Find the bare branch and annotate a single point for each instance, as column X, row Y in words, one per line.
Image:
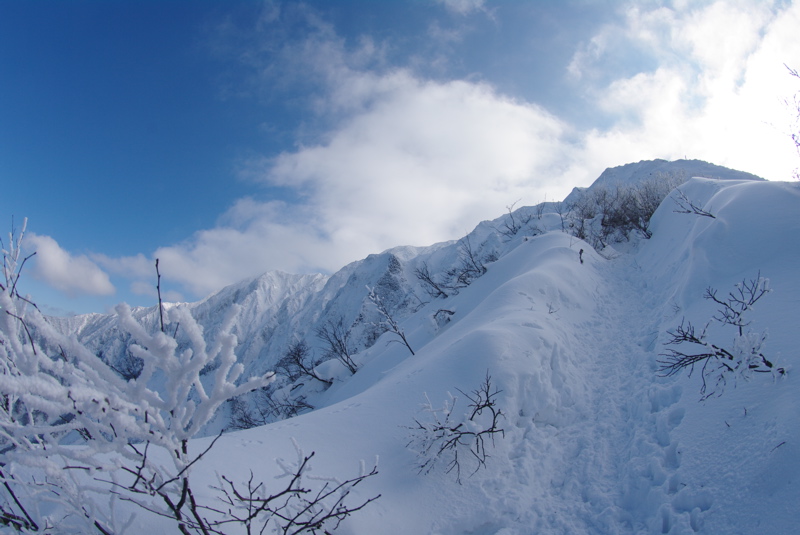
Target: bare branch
column 337, row 339
column 743, row 356
column 388, row 320
column 160, row 303
column 442, row 437
column 687, row 206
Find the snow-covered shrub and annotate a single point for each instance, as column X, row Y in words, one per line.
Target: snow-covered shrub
column 471, row 265
column 610, row 214
column 72, row 430
column 387, row 323
column 431, row 284
column 719, row 364
column 177, row 406
column 336, row 339
column 514, row 223
column 299, row 362
column 793, row 105
column 448, row 437
column 48, row 402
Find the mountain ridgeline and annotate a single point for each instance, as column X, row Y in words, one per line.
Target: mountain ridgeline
column 310, row 328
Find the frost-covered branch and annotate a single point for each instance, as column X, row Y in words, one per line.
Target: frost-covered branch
column 179, row 405
column 336, row 338
column 742, row 358
column 388, row 322
column 443, row 436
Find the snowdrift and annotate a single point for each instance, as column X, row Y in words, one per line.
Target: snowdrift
column 594, row 439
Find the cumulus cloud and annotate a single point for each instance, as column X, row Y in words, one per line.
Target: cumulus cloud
column 68, row 273
column 252, row 237
column 422, row 162
column 132, row 266
column 408, row 160
column 710, row 84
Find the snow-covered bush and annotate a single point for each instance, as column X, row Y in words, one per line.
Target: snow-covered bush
column 443, row 435
column 719, row 364
column 514, row 223
column 177, row 405
column 58, row 415
column 72, row 430
column 793, row 105
column 387, row 323
column 610, row 214
column 336, row 340
column 471, row 266
column 299, row 362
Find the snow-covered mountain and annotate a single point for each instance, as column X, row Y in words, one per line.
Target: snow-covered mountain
column 596, row 436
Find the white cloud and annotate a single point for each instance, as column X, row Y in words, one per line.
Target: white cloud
column 126, row 266
column 715, row 91
column 411, row 162
column 463, row 7
column 422, row 162
column 407, row 160
column 251, row 238
column 70, row 274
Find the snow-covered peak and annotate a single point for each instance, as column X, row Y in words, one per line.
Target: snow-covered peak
column 678, row 170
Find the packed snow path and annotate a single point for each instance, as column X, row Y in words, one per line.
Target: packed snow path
column 608, row 465
column 636, row 413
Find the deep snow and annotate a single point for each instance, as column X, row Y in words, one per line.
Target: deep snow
column 595, row 440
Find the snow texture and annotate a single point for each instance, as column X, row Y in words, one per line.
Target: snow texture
column 595, row 440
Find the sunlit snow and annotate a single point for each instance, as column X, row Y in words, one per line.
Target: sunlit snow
column 595, row 440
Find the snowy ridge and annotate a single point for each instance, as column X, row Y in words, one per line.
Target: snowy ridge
column 595, row 440
column 682, row 169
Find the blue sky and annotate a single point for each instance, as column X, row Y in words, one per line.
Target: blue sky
column 233, row 138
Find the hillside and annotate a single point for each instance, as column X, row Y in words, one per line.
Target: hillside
column 595, row 439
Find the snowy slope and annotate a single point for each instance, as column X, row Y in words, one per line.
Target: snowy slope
column 280, row 308
column 632, row 173
column 595, row 441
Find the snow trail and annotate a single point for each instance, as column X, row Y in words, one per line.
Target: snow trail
column 604, row 460
column 643, row 454
column 614, row 464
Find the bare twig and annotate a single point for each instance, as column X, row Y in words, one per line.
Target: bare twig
column 294, row 509
column 388, row 320
column 687, row 206
column 718, row 361
column 160, row 303
column 445, row 437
